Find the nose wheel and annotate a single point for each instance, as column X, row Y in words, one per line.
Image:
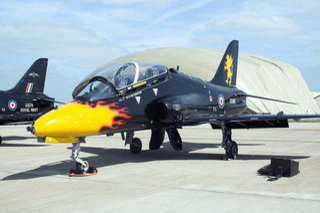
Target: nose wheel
column 82, row 167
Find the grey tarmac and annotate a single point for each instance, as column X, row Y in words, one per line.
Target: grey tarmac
column 33, row 175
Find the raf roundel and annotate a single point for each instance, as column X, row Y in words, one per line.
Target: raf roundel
column 12, row 105
column 221, row 101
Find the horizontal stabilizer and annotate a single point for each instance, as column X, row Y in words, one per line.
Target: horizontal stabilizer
column 265, row 98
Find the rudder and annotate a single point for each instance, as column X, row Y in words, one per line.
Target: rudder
column 226, row 74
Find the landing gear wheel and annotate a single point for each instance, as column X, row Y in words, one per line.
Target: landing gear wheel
column 135, row 146
column 82, row 167
column 81, row 173
column 85, row 166
column 233, row 151
column 82, row 170
column 175, row 139
column 157, row 137
column 0, row 140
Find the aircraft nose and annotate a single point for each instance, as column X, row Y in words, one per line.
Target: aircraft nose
column 56, row 123
column 77, row 119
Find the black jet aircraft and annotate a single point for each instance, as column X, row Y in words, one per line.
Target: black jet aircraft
column 26, row 101
column 134, row 96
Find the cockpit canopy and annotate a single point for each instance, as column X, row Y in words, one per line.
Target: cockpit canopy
column 111, row 81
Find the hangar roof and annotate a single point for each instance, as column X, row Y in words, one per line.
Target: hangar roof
column 316, row 96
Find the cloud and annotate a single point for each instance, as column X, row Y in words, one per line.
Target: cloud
column 256, row 24
column 283, row 7
column 56, row 40
column 78, row 36
column 182, row 9
column 145, row 3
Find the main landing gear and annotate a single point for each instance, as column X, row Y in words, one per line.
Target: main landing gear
column 175, row 139
column 156, row 140
column 157, row 137
column 228, row 144
column 82, row 167
column 0, row 140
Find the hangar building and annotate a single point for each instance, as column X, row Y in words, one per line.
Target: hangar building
column 257, row 75
column 316, row 97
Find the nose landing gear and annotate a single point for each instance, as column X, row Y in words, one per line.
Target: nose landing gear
column 82, row 167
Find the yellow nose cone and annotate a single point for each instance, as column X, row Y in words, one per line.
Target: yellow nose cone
column 78, row 119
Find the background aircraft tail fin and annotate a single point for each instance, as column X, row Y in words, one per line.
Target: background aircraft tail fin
column 33, row 80
column 226, row 74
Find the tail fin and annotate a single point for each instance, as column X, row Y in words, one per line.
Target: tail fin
column 226, row 74
column 34, row 79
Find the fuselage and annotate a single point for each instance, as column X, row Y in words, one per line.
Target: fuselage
column 168, row 100
column 22, row 107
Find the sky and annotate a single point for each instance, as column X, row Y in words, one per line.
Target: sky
column 80, row 35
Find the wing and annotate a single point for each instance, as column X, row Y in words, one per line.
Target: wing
column 251, row 120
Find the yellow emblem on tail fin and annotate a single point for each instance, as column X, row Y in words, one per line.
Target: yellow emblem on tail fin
column 228, row 66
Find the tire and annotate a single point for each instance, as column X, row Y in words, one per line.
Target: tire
column 233, row 152
column 175, row 139
column 157, row 137
column 135, row 146
column 85, row 167
column 0, row 140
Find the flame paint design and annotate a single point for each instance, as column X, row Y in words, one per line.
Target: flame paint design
column 80, row 119
column 228, row 66
column 107, row 116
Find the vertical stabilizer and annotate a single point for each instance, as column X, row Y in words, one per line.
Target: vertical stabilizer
column 34, row 79
column 226, row 74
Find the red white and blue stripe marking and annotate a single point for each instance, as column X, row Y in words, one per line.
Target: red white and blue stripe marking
column 12, row 105
column 29, row 88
